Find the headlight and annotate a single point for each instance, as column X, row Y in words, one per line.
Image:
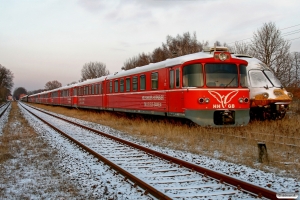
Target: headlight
column 290, row 95
column 207, row 100
column 241, row 100
column 265, row 95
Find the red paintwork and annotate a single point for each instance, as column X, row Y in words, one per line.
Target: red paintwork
column 163, row 100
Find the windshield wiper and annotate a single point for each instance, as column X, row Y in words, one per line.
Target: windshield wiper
column 230, row 82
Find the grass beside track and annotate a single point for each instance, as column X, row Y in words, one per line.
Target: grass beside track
column 238, row 145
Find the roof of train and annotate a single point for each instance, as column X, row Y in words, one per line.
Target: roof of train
column 253, row 63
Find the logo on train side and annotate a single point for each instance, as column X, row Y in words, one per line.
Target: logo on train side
column 222, row 99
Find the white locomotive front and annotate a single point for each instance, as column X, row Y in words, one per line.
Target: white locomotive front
column 268, row 98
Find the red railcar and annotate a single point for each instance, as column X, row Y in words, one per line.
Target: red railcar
column 209, row 89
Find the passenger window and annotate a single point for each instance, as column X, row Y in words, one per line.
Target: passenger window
column 93, row 89
column 96, row 89
column 142, row 82
column 100, row 88
column 122, row 85
column 177, row 78
column 110, row 86
column 127, row 84
column 171, row 79
column 116, row 85
column 134, row 83
column 154, row 81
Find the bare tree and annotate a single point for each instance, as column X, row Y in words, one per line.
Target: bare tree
column 295, row 56
column 174, row 47
column 50, row 85
column 269, row 46
column 159, row 54
column 6, row 82
column 18, row 91
column 6, row 78
column 183, row 45
column 93, row 70
column 239, row 48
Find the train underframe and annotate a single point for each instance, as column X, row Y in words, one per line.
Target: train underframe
column 269, row 112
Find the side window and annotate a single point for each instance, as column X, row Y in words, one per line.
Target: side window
column 177, row 78
column 122, row 85
column 93, row 89
column 154, row 81
column 116, row 85
column 110, row 86
column 171, row 79
column 142, row 82
column 134, row 83
column 127, row 84
column 100, row 88
column 96, row 89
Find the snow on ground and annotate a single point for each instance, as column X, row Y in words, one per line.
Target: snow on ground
column 271, row 181
column 94, row 180
column 4, row 118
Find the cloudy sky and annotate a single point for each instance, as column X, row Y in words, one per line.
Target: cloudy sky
column 46, row 40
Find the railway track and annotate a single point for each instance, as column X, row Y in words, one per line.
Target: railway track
column 161, row 176
column 3, row 108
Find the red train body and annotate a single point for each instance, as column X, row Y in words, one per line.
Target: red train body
column 209, row 89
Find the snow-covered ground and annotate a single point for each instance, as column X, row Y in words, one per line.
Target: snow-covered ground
column 95, row 181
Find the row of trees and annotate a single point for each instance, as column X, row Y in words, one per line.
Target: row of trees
column 89, row 71
column 174, row 47
column 267, row 45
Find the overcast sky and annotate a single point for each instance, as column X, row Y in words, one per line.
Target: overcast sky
column 46, row 40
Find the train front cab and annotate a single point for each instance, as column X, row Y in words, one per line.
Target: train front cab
column 215, row 91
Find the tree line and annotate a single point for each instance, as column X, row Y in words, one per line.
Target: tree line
column 267, row 45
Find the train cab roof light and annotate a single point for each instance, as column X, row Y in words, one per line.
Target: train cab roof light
column 221, row 56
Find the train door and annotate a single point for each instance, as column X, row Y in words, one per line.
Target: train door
column 105, row 90
column 175, row 93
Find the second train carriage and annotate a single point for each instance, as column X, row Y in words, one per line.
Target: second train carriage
column 209, row 89
column 268, row 98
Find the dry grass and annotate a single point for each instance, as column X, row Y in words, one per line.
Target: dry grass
column 23, row 152
column 237, row 145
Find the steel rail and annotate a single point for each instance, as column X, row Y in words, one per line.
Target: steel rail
column 148, row 188
column 241, row 185
column 4, row 109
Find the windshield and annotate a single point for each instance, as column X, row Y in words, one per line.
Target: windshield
column 221, row 75
column 273, row 78
column 258, row 79
column 243, row 76
column 192, row 76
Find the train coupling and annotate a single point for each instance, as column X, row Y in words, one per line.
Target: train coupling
column 224, row 117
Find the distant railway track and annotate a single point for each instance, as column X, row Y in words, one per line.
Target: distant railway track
column 160, row 175
column 3, row 108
